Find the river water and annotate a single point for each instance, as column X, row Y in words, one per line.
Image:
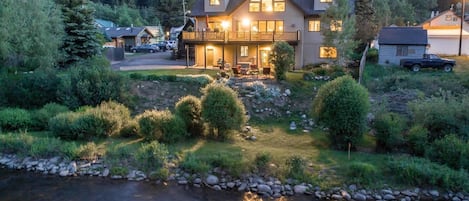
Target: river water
column 25, row 186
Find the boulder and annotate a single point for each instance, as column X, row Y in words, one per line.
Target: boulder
column 264, row 189
column 359, row 197
column 300, row 189
column 211, row 180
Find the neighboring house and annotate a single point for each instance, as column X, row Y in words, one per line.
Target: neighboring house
column 157, row 32
column 174, row 32
column 243, row 31
column 127, row 37
column 444, row 31
column 396, row 43
column 100, row 23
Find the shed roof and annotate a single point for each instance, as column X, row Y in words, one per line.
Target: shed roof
column 116, row 32
column 403, row 36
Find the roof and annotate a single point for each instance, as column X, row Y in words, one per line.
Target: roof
column 307, row 6
column 403, row 36
column 116, row 32
column 104, row 23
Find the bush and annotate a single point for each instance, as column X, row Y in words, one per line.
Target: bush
column 12, row 119
column 421, row 172
column 88, row 151
column 372, row 55
column 417, row 138
column 389, row 127
column 450, row 151
column 296, row 168
column 283, row 58
column 61, row 125
column 361, row 172
column 160, row 174
column 130, row 129
column 342, row 106
column 118, row 170
column 222, row 109
column 189, row 108
column 262, row 161
column 161, row 125
column 193, row 164
column 40, row 117
column 152, row 156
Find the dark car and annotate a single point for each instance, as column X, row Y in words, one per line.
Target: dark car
column 429, row 61
column 145, row 48
column 162, row 45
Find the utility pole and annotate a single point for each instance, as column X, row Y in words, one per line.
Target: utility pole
column 184, row 10
column 462, row 25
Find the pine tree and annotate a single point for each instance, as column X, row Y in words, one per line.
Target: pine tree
column 366, row 26
column 81, row 40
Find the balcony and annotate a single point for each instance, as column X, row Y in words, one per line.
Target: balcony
column 230, row 37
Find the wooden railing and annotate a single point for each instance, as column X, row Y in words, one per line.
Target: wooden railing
column 207, row 36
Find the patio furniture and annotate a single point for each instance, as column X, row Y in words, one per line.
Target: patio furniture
column 266, row 71
column 236, row 71
column 253, row 70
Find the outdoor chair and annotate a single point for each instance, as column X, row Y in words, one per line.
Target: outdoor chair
column 266, row 71
column 236, row 71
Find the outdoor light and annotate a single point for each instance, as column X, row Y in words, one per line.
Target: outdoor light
column 225, row 25
column 246, row 22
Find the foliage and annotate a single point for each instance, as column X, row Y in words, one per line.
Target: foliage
column 189, row 108
column 417, row 138
column 12, row 119
column 61, row 125
column 88, row 151
column 372, row 55
column 160, row 174
column 118, row 170
column 422, row 172
column 451, row 151
column 342, row 106
column 130, row 129
column 366, row 25
column 283, row 58
column 90, row 82
column 193, row 164
column 338, row 29
column 362, row 172
column 81, row 40
column 161, row 125
column 296, row 168
column 152, row 156
column 222, row 109
column 30, row 35
column 40, row 118
column 389, row 128
column 262, row 160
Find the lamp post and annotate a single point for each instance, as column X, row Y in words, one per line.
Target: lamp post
column 462, row 25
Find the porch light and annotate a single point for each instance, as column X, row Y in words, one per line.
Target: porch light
column 224, row 25
column 246, row 22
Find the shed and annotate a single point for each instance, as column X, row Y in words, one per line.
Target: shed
column 396, row 43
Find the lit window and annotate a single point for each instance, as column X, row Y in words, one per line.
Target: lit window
column 255, row 6
column 214, row 2
column 279, row 5
column 327, row 52
column 267, row 5
column 244, row 51
column 402, row 50
column 336, row 25
column 325, row 1
column 314, row 25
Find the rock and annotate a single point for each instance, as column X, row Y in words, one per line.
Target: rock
column 182, row 182
column 211, row 180
column 352, row 187
column 264, row 189
column 64, row 173
column 456, row 199
column 434, row 193
column 292, row 126
column 345, row 195
column 386, row 192
column 359, row 197
column 300, row 189
column 72, row 167
column 242, row 187
column 389, row 197
column 336, row 197
column 230, row 184
column 197, row 181
column 105, row 172
column 287, row 92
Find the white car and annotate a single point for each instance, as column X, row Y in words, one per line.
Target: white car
column 171, row 44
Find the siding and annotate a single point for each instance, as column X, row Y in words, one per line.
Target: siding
column 387, row 54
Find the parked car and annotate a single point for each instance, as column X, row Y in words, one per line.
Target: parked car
column 145, row 48
column 171, row 44
column 163, row 46
column 429, row 61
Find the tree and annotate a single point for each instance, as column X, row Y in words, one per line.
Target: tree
column 283, row 57
column 81, row 40
column 222, row 109
column 31, row 34
column 338, row 29
column 342, row 105
column 189, row 108
column 366, row 23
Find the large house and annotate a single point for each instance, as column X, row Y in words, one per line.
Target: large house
column 444, row 34
column 396, row 43
column 241, row 32
column 127, row 37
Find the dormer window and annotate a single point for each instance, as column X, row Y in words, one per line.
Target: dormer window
column 325, row 1
column 267, row 6
column 214, row 2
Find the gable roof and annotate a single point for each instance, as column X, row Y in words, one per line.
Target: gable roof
column 117, row 32
column 307, row 6
column 104, row 23
column 403, row 36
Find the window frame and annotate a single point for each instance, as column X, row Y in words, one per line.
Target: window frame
column 263, row 5
column 314, row 25
column 244, row 51
column 213, row 2
column 325, row 1
column 326, row 57
column 402, row 50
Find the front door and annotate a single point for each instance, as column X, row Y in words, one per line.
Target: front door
column 210, row 57
column 265, row 58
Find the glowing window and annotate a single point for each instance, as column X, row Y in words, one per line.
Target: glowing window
column 327, row 52
column 336, row 25
column 314, row 25
column 244, row 51
column 214, row 2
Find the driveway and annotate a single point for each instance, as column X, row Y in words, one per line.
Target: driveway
column 158, row 60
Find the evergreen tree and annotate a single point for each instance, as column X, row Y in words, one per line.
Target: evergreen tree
column 81, row 40
column 338, row 29
column 366, row 26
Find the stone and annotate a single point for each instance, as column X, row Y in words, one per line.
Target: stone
column 264, row 189
column 72, row 167
column 182, row 182
column 64, row 173
column 389, row 197
column 386, row 192
column 197, row 181
column 300, row 189
column 336, row 197
column 434, row 193
column 211, row 180
column 456, row 199
column 105, row 172
column 292, row 126
column 287, row 92
column 359, row 197
column 242, row 187
column 345, row 195
column 230, row 184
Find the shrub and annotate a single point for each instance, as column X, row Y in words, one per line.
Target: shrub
column 151, row 156
column 193, row 164
column 262, row 161
column 417, row 138
column 450, row 150
column 296, row 168
column 189, row 108
column 119, row 154
column 342, row 106
column 421, row 172
column 161, row 125
column 118, row 170
column 160, row 174
column 130, row 129
column 14, row 118
column 40, row 118
column 88, row 151
column 372, row 55
column 222, row 109
column 361, row 172
column 283, row 58
column 61, row 125
column 389, row 127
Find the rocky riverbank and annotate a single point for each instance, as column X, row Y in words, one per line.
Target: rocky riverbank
column 218, row 180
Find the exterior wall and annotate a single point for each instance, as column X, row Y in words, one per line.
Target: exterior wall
column 216, row 8
column 320, row 6
column 311, row 42
column 387, row 54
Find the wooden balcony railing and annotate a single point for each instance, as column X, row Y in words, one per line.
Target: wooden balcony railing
column 209, row 36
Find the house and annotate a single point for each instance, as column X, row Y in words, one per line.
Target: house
column 444, row 31
column 100, row 23
column 157, row 33
column 127, row 37
column 396, row 43
column 242, row 32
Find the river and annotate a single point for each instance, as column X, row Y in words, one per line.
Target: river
column 24, row 186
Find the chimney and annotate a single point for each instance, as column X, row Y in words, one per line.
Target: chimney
column 433, row 14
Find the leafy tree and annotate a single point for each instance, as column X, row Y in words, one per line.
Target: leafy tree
column 342, row 105
column 283, row 57
column 422, row 9
column 366, row 23
column 338, row 29
column 81, row 40
column 31, row 34
column 222, row 109
column 189, row 108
